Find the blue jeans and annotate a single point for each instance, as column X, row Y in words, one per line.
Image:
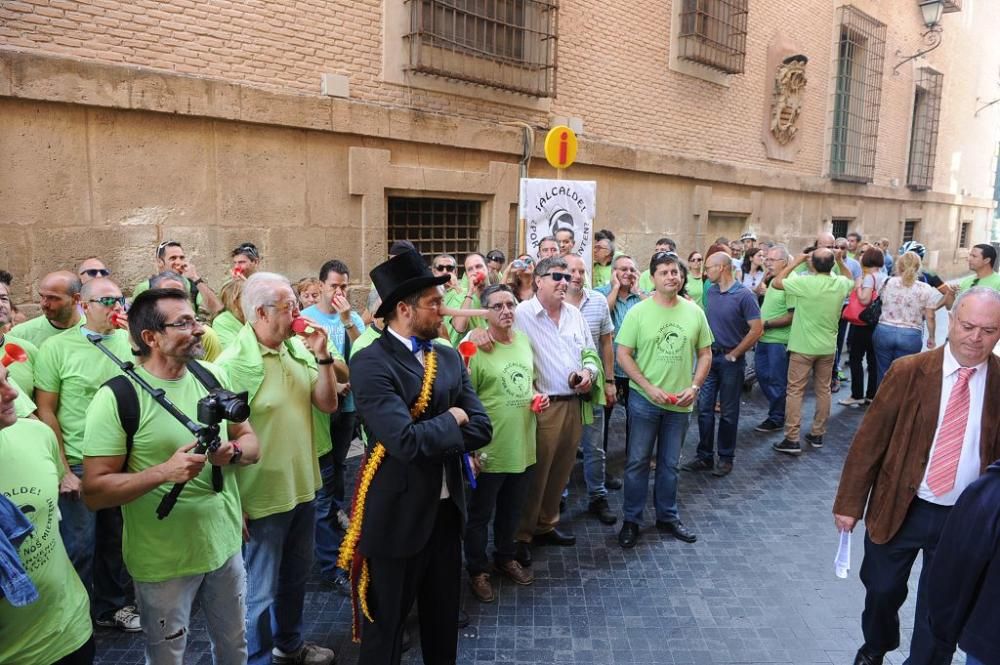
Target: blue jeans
column 772, row 375
column 893, row 342
column 328, row 532
column 652, row 426
column 593, row 454
column 278, row 558
column 724, row 382
column 972, row 660
column 166, row 614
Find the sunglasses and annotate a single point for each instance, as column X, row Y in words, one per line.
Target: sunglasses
column 558, row 276
column 96, row 272
column 109, row 301
column 445, row 268
column 498, row 258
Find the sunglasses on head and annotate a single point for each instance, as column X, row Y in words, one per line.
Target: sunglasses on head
column 498, row 258
column 559, row 276
column 445, row 268
column 109, row 301
column 96, row 272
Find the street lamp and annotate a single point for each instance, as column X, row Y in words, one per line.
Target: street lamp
column 931, row 11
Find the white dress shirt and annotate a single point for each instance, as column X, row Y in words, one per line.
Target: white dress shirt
column 968, row 462
column 557, row 348
column 419, row 355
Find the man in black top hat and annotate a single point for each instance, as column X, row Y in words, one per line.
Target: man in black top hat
column 413, row 509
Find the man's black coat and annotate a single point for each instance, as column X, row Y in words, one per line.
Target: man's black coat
column 402, row 501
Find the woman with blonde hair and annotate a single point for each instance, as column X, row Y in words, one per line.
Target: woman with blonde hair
column 308, row 291
column 906, row 303
column 229, row 321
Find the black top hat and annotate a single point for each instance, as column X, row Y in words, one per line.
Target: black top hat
column 401, row 276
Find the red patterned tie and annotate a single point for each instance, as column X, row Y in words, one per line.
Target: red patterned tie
column 951, row 436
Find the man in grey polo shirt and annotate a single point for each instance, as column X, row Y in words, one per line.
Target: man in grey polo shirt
column 594, row 308
column 734, row 318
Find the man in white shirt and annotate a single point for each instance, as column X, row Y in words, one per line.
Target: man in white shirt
column 927, row 436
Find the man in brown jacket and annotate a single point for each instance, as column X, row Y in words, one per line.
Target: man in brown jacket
column 926, row 437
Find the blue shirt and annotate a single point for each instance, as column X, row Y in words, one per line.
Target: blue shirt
column 729, row 313
column 618, row 313
column 338, row 334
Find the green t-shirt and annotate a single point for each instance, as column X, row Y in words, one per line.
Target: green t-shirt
column 205, row 527
column 774, row 306
column 321, row 420
column 58, row 623
column 601, row 275
column 504, row 380
column 696, row 290
column 74, row 368
column 38, row 329
column 991, row 281
column 226, row 327
column 819, row 300
column 23, row 405
column 190, row 288
column 281, row 415
column 454, row 299
column 646, row 282
column 23, row 373
column 665, row 340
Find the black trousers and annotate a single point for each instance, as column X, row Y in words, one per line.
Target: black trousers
column 113, row 588
column 861, row 347
column 342, row 425
column 82, row 656
column 431, row 577
column 622, row 389
column 502, row 494
column 885, row 572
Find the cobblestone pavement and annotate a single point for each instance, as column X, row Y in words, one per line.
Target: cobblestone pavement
column 757, row 587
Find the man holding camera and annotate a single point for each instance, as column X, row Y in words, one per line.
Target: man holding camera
column 284, row 377
column 194, row 553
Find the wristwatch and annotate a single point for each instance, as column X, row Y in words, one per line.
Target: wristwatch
column 348, row 325
column 325, row 361
column 609, row 380
column 200, row 280
column 237, row 454
column 695, row 387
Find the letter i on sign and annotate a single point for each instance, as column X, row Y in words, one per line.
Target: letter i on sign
column 560, row 147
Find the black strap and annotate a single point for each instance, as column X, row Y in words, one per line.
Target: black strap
column 204, row 377
column 128, row 409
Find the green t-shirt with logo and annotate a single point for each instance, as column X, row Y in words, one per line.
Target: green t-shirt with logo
column 991, row 281
column 819, row 300
column 205, row 527
column 74, row 368
column 504, row 380
column 58, row 623
column 38, row 329
column 775, row 306
column 665, row 340
column 23, row 372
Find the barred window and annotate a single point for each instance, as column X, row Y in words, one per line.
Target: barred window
column 714, row 33
column 857, row 95
column 910, row 229
column 963, row 235
column 505, row 44
column 840, row 228
column 436, row 226
column 924, row 129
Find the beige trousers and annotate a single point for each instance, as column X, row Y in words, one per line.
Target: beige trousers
column 799, row 366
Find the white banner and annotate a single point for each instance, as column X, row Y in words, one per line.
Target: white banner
column 548, row 206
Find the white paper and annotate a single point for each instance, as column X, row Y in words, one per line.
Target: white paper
column 842, row 563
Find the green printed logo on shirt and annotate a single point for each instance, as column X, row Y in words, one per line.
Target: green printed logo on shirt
column 671, row 341
column 515, row 378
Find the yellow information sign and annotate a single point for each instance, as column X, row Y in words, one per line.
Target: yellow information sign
column 560, row 147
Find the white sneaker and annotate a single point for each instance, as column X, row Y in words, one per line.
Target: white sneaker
column 125, row 619
column 308, row 654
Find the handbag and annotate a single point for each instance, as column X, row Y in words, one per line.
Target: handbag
column 858, row 314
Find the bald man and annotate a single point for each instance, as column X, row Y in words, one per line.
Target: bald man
column 59, row 297
column 92, row 267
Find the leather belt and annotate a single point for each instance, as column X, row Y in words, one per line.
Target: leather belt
column 563, row 398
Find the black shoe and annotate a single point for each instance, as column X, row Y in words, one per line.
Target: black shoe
column 698, row 464
column 522, row 553
column 612, row 483
column 629, row 535
column 599, row 507
column 769, row 426
column 814, row 441
column 677, row 530
column 554, row 537
column 340, row 583
column 865, row 657
column 723, row 468
column 789, row 447
column 562, row 506
column 463, row 619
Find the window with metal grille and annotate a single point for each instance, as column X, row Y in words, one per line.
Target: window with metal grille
column 505, row 44
column 436, row 226
column 857, row 95
column 924, row 129
column 910, row 229
column 963, row 235
column 714, row 33
column 840, row 228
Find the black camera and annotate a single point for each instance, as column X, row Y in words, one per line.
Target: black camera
column 221, row 404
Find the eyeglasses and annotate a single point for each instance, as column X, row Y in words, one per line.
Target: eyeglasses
column 697, row 260
column 445, row 268
column 184, row 324
column 558, row 276
column 109, row 301
column 501, row 306
column 284, row 306
column 96, row 272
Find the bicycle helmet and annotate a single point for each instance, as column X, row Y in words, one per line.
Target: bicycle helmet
column 912, row 246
